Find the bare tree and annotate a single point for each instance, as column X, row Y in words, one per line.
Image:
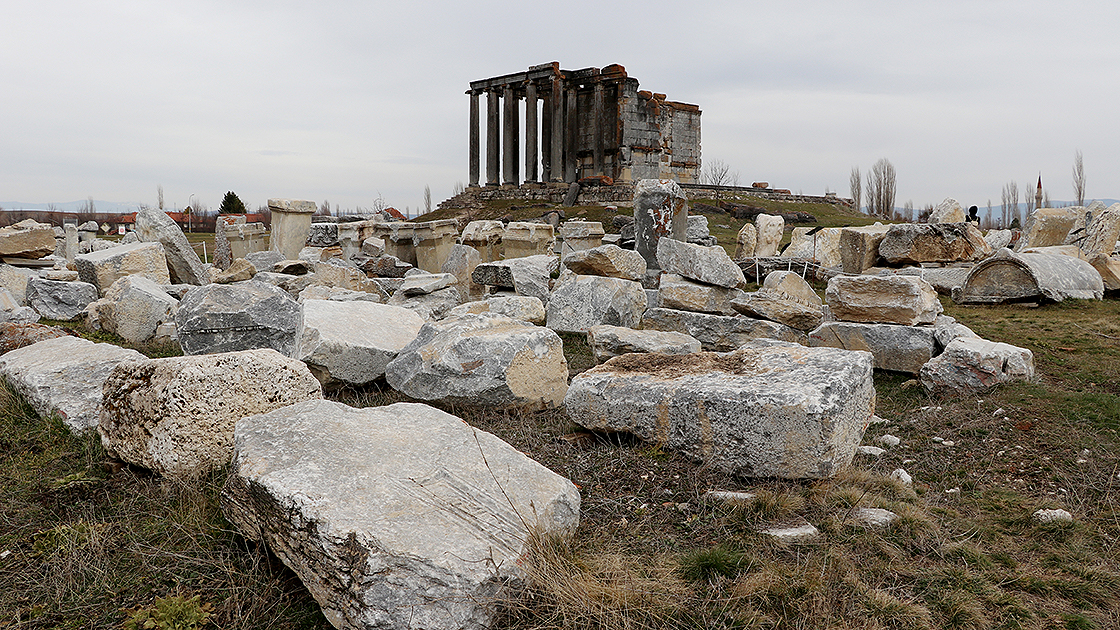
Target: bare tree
column 1045, row 198
column 325, row 207
column 908, row 211
column 427, row 198
column 881, row 189
column 458, row 189
column 159, row 196
column 855, row 187
column 718, row 173
column 1078, row 179
column 989, row 214
column 1009, row 206
column 1028, row 200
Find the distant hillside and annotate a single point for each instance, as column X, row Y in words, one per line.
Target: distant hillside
column 112, row 207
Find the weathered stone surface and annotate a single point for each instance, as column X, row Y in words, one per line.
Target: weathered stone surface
column 822, row 246
column 527, row 275
column 134, row 307
column 948, row 211
column 776, row 410
column 609, row 261
column 580, row 235
column 1050, row 226
column 1109, row 268
column 15, row 280
column 523, row 238
column 896, row 348
column 239, row 270
column 461, row 263
column 154, row 226
column 335, row 294
column 425, row 283
column 687, row 295
column 55, row 299
column 351, row 342
column 103, row 268
column 946, row 329
column 522, row 307
column 974, row 364
column 230, row 317
column 718, row 333
column 337, row 273
column 426, row 518
column 941, row 242
column 710, row 265
column 610, row 341
column 265, row 260
column 296, row 267
column 175, row 416
column 943, row 279
column 580, row 302
column 770, row 229
column 27, row 240
column 746, row 242
column 660, row 210
column 64, row 376
column 998, row 239
column 859, row 246
column 906, row 300
column 1011, row 277
column 485, row 237
column 697, row 231
column 1102, row 232
column 291, row 224
column 429, row 306
column 772, row 306
column 15, row 335
column 483, row 360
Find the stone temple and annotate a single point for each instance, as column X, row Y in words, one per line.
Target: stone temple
column 588, row 123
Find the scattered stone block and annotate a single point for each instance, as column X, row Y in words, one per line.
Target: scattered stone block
column 822, row 246
column 425, row 283
column 27, row 239
column 103, row 268
column 710, row 265
column 1050, row 226
column 770, row 230
column 1016, row 277
column 776, row 410
column 970, row 364
column 483, row 360
column 684, row 294
column 611, row 341
column 521, row 239
column 746, row 242
column 998, row 239
column 154, row 226
column 580, row 302
column 797, row 532
column 244, row 316
column 896, row 348
column 485, row 237
column 64, row 376
column 873, row 518
column 1052, row 516
column 461, row 263
column 609, row 261
column 906, row 300
column 55, row 299
column 239, row 270
column 946, row 329
column 718, row 333
column 580, row 235
column 350, row 343
column 429, row 306
column 1102, row 232
column 948, row 211
column 660, row 210
column 134, row 307
column 15, row 335
column 175, row 416
column 859, row 246
column 912, row 243
column 15, row 280
column 427, row 518
column 522, row 307
column 1109, row 268
column 291, row 225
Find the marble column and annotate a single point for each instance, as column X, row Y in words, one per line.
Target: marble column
column 557, row 145
column 597, row 128
column 509, row 139
column 546, row 138
column 530, row 133
column 492, row 138
column 474, row 141
column 571, row 136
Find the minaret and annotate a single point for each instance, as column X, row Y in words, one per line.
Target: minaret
column 1038, row 193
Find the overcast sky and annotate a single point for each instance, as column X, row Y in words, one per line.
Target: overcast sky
column 351, row 101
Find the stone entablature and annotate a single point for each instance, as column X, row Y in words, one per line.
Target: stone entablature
column 593, row 122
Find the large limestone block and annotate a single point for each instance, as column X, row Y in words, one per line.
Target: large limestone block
column 859, row 246
column 772, row 306
column 687, row 295
column 522, row 307
column 175, row 416
column 998, row 239
column 610, row 341
column 909, row 243
column 461, row 263
column 765, row 410
column 1050, row 226
column 579, row 235
column 64, row 376
column 746, row 241
column 291, row 225
column 580, row 302
column 718, row 333
column 15, row 280
column 770, row 229
column 697, row 231
column 483, row 360
column 134, row 307
column 243, row 316
column 154, row 226
column 57, row 299
column 351, row 342
column 822, row 245
column 20, row 334
column 425, row 283
column 400, row 516
column 1109, row 268
column 103, row 268
column 485, row 237
column 660, row 210
column 27, row 239
column 948, row 211
column 344, row 276
column 1102, row 232
column 429, row 306
column 789, row 285
column 947, row 329
column 527, row 275
column 710, row 265
column 522, row 238
column 906, row 300
column 896, row 348
column 610, row 261
column 971, row 364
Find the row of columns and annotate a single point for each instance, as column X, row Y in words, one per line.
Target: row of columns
column 558, row 134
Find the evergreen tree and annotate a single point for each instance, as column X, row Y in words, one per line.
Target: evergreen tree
column 231, row 204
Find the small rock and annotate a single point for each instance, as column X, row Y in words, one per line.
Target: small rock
column 1052, row 516
column 727, row 495
column 793, row 532
column 903, row 476
column 889, row 440
column 873, row 451
column 873, row 517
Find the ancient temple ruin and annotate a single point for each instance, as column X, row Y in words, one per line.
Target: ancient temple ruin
column 584, row 123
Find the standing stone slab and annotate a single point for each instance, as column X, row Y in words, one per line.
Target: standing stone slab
column 15, row 280
column 660, row 210
column 770, row 229
column 773, row 410
column 823, row 245
column 859, row 246
column 896, row 348
column 461, row 262
column 64, row 376
column 352, row 342
column 718, row 333
column 580, row 235
column 175, row 416
column 243, row 316
column 394, row 517
column 154, row 226
column 56, row 299
column 971, row 364
column 710, row 265
column 610, row 341
column 1050, row 226
column 746, row 241
column 483, row 360
column 906, row 300
column 103, row 268
column 1102, row 232
column 291, row 225
column 580, row 302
